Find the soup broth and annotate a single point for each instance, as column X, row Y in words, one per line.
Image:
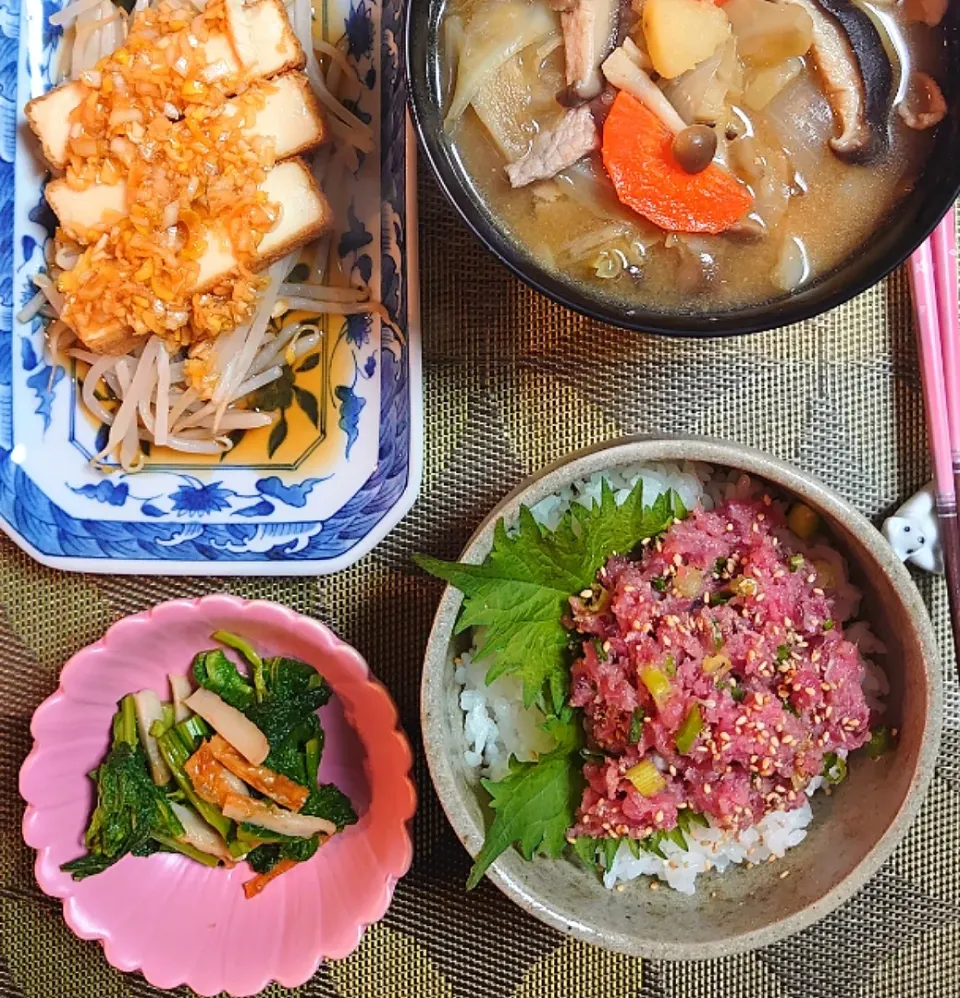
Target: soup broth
column 809, row 207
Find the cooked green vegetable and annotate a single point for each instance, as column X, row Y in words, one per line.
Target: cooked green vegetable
column 175, row 753
column 215, row 672
column 172, row 845
column 133, row 816
column 247, row 651
column 292, row 692
column 131, row 810
column 193, row 731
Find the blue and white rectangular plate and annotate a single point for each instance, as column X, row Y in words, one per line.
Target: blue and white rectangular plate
column 311, row 494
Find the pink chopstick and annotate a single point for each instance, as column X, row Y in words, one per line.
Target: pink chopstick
column 933, row 277
column 948, row 306
column 926, row 305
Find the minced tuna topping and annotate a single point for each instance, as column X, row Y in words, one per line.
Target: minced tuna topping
column 718, row 678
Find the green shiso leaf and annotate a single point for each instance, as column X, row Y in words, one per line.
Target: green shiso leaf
column 533, row 809
column 521, row 592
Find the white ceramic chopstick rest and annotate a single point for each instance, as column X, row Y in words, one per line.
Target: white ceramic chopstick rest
column 914, row 531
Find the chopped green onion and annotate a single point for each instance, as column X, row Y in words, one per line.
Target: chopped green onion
column 691, row 727
column 636, row 726
column 834, row 768
column 717, row 635
column 881, row 742
column 828, row 624
column 783, row 653
column 670, row 666
column 716, row 663
column 657, row 683
column 719, row 566
column 660, row 583
column 796, row 562
column 646, row 778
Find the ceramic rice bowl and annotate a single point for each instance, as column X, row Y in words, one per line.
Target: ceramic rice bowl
column 854, row 830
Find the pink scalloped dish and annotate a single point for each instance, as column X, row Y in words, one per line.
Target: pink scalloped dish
column 172, row 916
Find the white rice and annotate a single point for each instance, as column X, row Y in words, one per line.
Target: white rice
column 496, row 725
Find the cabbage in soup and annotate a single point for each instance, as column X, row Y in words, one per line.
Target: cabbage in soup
column 686, row 154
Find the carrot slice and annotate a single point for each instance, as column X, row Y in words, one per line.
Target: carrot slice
column 252, row 887
column 638, row 156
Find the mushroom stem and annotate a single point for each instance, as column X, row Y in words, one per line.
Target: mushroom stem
column 857, row 77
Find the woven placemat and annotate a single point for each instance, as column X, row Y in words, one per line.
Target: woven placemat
column 513, row 382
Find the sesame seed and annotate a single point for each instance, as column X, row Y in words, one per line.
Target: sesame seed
column 785, row 874
column 729, row 528
column 654, row 886
column 677, row 560
column 586, row 593
column 658, row 817
column 707, row 789
column 812, row 577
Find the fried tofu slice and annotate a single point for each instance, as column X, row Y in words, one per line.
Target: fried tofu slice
column 270, row 47
column 305, row 214
column 291, row 117
column 274, row 785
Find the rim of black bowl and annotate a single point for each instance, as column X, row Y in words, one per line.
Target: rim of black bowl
column 894, row 240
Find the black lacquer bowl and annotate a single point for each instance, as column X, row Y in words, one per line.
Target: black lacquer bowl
column 913, row 219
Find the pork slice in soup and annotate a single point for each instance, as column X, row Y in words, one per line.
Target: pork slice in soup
column 691, row 153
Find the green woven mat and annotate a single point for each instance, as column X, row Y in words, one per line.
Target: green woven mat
column 511, row 383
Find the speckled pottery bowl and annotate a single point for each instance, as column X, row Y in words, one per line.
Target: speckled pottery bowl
column 855, row 829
